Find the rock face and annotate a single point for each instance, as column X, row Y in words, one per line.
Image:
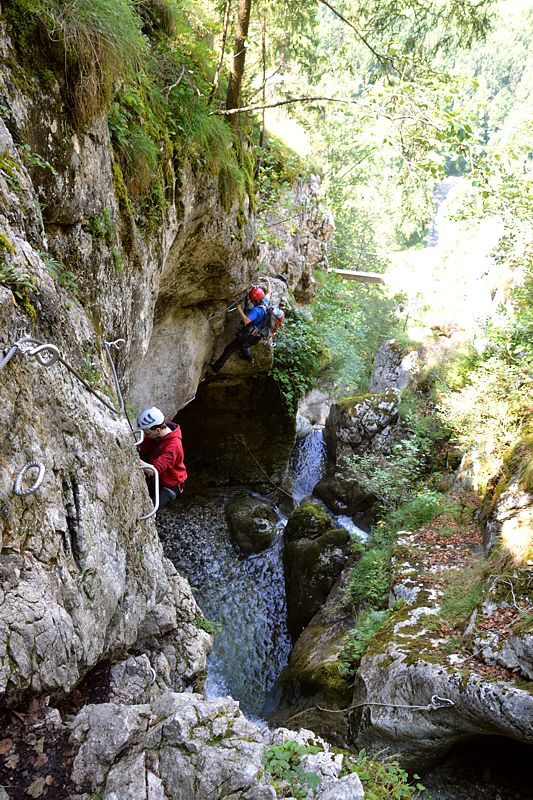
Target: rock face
column 83, row 576
column 367, row 424
column 251, row 523
column 83, row 579
column 362, row 425
column 393, row 367
column 313, row 556
column 182, row 746
column 312, row 678
column 418, row 699
column 293, row 251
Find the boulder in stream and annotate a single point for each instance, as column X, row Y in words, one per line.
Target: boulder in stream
column 251, row 522
column 313, row 557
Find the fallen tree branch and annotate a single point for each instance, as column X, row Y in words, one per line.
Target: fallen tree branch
column 305, row 99
column 241, row 440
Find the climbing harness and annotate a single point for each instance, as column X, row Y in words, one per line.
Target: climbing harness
column 17, row 488
column 47, row 354
column 150, row 468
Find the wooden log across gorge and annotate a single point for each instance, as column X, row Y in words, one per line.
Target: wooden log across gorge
column 362, row 277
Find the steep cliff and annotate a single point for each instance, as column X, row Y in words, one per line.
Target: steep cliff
column 83, row 577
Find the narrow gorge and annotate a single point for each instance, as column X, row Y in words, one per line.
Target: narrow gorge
column 294, row 625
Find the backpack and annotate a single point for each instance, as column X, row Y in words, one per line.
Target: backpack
column 274, row 317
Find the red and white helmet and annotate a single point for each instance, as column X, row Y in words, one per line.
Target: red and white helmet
column 256, row 294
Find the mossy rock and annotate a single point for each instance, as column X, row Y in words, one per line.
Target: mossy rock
column 309, row 521
column 251, row 523
column 311, row 568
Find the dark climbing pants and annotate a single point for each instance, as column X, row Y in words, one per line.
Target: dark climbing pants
column 166, row 494
column 242, row 342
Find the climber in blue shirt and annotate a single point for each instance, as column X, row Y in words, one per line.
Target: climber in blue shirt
column 253, row 321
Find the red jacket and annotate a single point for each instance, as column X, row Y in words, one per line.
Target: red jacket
column 166, row 455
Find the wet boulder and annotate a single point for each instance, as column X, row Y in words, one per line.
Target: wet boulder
column 251, row 523
column 313, row 557
column 346, row 493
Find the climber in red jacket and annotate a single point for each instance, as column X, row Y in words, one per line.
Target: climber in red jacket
column 162, row 448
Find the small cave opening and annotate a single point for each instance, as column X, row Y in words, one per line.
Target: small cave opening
column 482, row 768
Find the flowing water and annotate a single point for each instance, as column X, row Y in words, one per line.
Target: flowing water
column 243, row 596
column 307, row 464
column 306, row 467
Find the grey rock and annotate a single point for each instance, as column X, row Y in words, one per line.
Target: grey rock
column 393, row 368
column 194, row 748
column 346, row 493
column 347, row 788
column 251, row 523
column 102, row 731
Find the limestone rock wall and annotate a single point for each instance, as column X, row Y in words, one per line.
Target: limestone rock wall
column 83, row 578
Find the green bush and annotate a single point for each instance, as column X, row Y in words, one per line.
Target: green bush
column 489, row 408
column 414, row 513
column 299, row 358
column 353, row 319
column 382, row 780
column 282, row 762
column 358, row 638
column 369, row 580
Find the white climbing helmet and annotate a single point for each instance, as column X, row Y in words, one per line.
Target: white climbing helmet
column 150, row 417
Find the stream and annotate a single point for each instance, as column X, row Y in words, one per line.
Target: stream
column 243, row 596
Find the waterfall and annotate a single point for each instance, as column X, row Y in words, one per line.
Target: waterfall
column 307, row 464
column 243, row 596
column 440, row 194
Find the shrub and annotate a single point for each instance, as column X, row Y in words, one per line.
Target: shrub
column 369, row 580
column 414, row 513
column 283, row 763
column 299, row 357
column 357, row 640
column 382, row 780
column 353, row 320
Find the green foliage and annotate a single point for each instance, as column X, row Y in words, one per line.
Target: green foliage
column 394, row 476
column 382, row 780
column 489, row 407
column 19, row 283
column 369, row 580
column 463, row 592
column 417, row 511
column 65, row 277
column 207, row 625
column 34, row 159
column 354, row 319
column 94, row 42
column 356, row 641
column 299, row 358
column 282, row 762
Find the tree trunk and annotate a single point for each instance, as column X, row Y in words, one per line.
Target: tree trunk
column 239, row 56
column 225, row 27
